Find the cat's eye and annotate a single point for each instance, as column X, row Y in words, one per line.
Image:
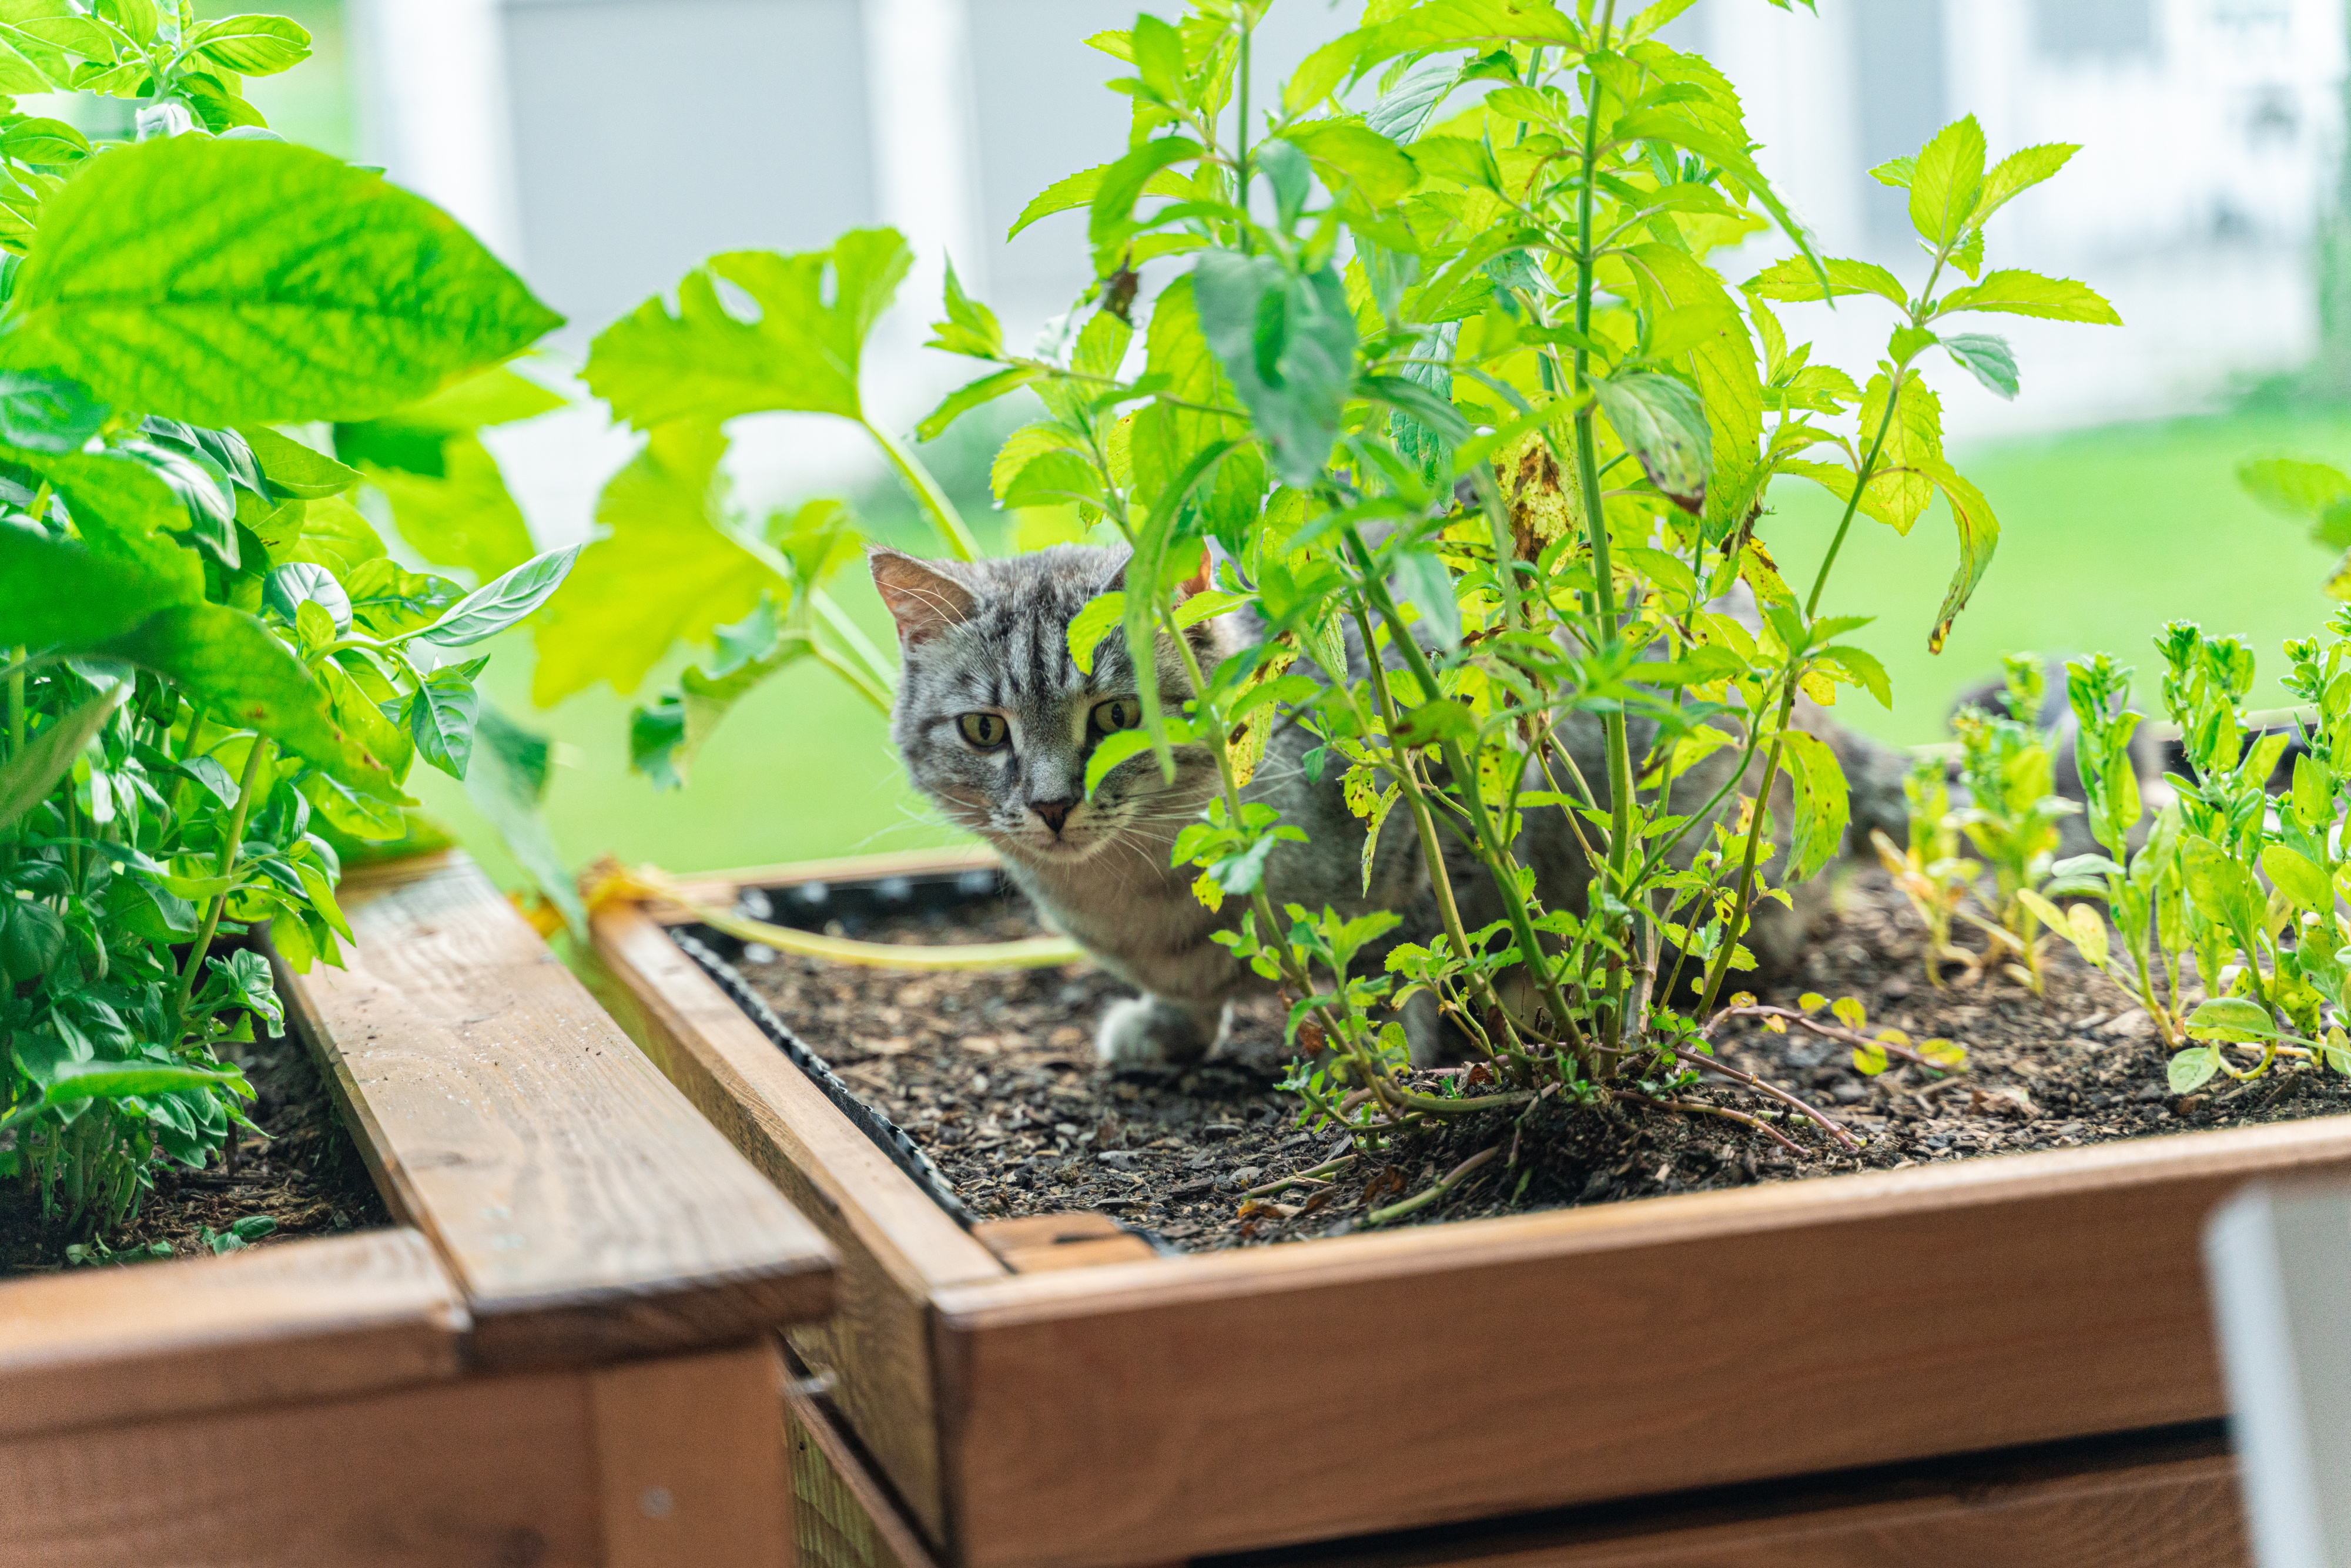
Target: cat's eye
column 985, row 730
column 1119, row 713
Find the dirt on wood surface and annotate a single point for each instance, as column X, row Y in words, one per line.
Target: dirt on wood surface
column 994, row 1074
column 307, row 1175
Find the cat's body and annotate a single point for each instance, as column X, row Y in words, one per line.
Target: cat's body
column 996, row 723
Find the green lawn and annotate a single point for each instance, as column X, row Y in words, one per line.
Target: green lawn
column 2107, row 534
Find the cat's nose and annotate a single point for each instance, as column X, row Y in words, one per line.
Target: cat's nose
column 1054, row 813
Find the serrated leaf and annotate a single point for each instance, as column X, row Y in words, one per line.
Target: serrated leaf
column 1987, row 358
column 2019, row 293
column 229, row 282
column 752, row 330
column 1946, row 182
column 663, row 569
column 1077, row 190
column 2021, row 170
column 1823, row 809
column 973, row 395
column 1794, row 281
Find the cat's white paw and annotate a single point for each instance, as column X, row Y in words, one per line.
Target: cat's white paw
column 1144, row 1032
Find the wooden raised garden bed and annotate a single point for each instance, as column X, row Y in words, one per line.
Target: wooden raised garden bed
column 562, row 1354
column 1149, row 1408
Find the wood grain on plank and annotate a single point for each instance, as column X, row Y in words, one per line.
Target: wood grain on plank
column 489, row 1472
column 897, row 1245
column 585, row 1209
column 2162, row 1513
column 689, row 1460
column 1090, row 1417
column 843, row 1517
column 1033, row 1243
column 315, row 1319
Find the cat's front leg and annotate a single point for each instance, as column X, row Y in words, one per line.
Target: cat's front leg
column 1144, row 1032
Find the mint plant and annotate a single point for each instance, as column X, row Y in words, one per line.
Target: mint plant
column 211, row 674
column 1427, row 341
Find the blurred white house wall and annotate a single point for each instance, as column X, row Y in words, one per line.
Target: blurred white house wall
column 605, row 146
column 2210, row 133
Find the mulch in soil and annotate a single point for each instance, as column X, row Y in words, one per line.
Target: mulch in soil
column 306, row 1174
column 994, row 1074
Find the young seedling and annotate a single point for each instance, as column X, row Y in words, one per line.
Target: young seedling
column 1930, row 871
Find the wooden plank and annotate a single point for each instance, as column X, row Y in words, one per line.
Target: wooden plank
column 2170, row 1511
column 317, row 1319
column 585, row 1209
column 690, row 1461
column 895, row 1245
column 1033, row 1243
column 1091, row 1417
column 480, row 1473
column 842, row 1515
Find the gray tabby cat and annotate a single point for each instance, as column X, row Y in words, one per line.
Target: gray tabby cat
column 996, row 722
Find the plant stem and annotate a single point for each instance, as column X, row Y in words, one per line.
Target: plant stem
column 1240, row 137
column 1705, row 1063
column 1736, row 926
column 1445, row 1184
column 248, row 791
column 1587, row 462
column 1757, row 1123
column 951, row 526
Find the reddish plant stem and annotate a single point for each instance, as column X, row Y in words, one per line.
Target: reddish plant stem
column 1725, row 1111
column 1708, row 1064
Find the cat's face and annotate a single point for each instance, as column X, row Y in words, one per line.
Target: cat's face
column 996, row 723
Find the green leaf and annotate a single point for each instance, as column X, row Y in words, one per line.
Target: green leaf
column 2021, row 170
column 78, row 1081
column 964, row 399
column 1421, row 580
column 2191, row 1070
column 26, row 778
column 1288, row 344
column 1079, row 189
column 503, row 601
column 2231, row 1017
column 663, row 569
column 2018, row 293
column 2294, row 486
column 1346, row 152
column 56, row 594
column 2222, row 888
column 1113, row 749
column 297, row 583
column 970, row 328
column 1794, row 282
column 1459, row 159
column 508, row 784
column 441, row 717
column 1987, row 358
column 1823, row 808
column 37, row 141
column 1946, row 182
column 465, row 519
column 230, row 663
column 252, row 46
column 792, row 340
column 410, row 437
column 2298, row 878
column 1126, row 182
column 236, row 282
column 295, row 469
column 42, row 413
column 1663, row 424
column 1089, row 625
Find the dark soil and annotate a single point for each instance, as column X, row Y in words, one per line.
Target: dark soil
column 994, row 1074
column 306, row 1174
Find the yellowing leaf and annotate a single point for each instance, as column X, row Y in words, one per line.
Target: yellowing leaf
column 664, row 570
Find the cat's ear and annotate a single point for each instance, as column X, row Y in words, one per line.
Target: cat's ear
column 924, row 600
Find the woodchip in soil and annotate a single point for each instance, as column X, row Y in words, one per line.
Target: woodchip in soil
column 994, row 1074
column 306, row 1174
